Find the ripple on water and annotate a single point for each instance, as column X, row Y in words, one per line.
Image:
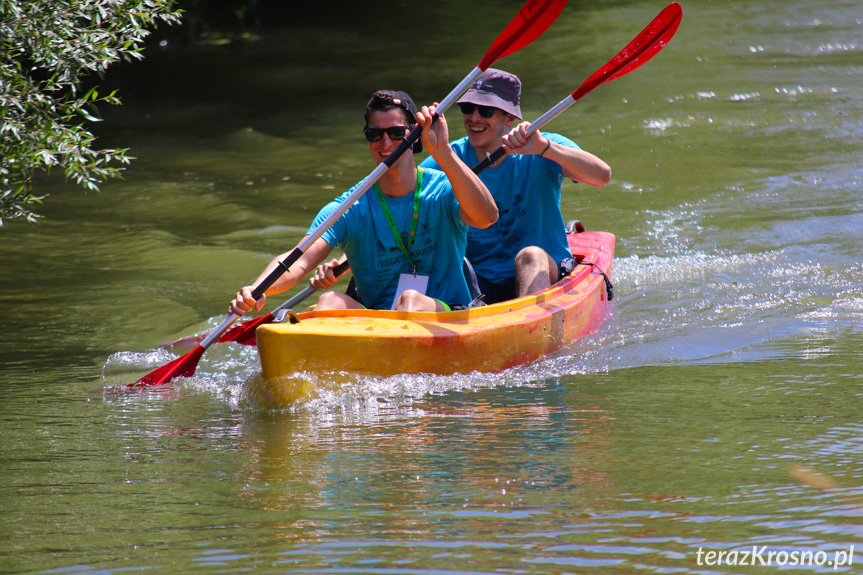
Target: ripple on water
column 721, row 305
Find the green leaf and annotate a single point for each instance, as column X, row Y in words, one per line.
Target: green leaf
column 60, row 43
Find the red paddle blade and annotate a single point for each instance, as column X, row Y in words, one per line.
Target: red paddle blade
column 245, row 332
column 651, row 40
column 532, row 20
column 242, row 333
column 183, row 366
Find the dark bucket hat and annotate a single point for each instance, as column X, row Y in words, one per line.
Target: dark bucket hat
column 497, row 89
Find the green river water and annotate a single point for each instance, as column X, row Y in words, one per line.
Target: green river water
column 723, row 387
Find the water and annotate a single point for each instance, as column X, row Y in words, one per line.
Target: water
column 711, row 411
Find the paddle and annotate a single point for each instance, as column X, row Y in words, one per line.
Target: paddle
column 244, row 333
column 651, row 40
column 532, row 20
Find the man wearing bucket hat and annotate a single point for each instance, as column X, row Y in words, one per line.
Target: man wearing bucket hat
column 404, row 239
column 522, row 253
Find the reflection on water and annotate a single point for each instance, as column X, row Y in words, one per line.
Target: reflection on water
column 578, row 472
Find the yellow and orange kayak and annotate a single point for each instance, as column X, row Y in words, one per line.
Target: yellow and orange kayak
column 487, row 339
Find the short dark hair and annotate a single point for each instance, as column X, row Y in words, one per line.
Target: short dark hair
column 385, row 100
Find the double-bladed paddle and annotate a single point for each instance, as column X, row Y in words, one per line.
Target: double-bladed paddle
column 532, row 20
column 651, row 40
column 244, row 332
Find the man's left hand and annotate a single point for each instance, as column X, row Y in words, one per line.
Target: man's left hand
column 517, row 141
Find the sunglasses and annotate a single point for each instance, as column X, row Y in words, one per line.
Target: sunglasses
column 484, row 111
column 395, row 133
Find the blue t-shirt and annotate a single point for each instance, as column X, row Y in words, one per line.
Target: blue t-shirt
column 526, row 189
column 438, row 248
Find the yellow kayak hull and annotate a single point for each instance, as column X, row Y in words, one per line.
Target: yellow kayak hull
column 486, row 339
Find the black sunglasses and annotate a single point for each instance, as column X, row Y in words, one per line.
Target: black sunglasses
column 395, row 133
column 484, row 111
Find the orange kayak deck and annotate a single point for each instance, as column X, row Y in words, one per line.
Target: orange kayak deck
column 486, row 339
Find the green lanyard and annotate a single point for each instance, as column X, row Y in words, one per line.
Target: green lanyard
column 414, row 221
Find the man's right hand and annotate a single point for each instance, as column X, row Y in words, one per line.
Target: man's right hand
column 245, row 302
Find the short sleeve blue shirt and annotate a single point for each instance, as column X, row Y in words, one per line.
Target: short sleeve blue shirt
column 526, row 189
column 438, row 248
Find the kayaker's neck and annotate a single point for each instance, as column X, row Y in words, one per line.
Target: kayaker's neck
column 399, row 180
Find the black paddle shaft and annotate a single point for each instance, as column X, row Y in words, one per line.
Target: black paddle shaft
column 490, row 160
column 283, row 267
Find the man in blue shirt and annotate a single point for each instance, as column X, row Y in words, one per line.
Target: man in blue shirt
column 405, row 239
column 521, row 253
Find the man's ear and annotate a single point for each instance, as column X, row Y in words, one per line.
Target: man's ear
column 509, row 120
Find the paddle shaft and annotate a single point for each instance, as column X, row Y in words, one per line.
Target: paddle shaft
column 241, row 332
column 244, row 331
column 339, row 271
column 535, row 126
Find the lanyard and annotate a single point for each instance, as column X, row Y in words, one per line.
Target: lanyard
column 414, row 221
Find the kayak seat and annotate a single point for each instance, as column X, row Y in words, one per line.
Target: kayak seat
column 574, row 226
column 476, row 294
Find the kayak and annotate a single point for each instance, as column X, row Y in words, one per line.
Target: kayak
column 489, row 338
